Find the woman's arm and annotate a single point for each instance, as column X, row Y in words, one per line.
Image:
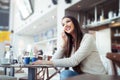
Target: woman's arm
column 42, row 62
column 60, row 52
column 86, row 46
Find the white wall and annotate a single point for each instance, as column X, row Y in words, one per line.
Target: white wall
column 103, row 40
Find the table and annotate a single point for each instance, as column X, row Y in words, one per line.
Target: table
column 31, row 69
column 94, row 77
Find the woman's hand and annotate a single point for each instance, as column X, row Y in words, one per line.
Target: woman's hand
column 64, row 39
column 37, row 62
column 42, row 62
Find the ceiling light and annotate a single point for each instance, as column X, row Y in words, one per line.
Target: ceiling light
column 53, row 17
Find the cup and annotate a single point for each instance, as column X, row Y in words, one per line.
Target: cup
column 44, row 57
column 33, row 59
column 26, row 60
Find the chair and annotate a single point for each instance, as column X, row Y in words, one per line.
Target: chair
column 45, row 71
column 111, row 62
column 115, row 60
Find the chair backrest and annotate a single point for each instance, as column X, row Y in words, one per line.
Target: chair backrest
column 108, row 64
column 115, row 59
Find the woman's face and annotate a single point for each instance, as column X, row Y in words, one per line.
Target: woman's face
column 68, row 25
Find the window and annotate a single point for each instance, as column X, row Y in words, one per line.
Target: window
column 25, row 8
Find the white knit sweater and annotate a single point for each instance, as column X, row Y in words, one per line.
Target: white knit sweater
column 87, row 55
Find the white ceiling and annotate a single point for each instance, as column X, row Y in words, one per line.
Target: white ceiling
column 45, row 22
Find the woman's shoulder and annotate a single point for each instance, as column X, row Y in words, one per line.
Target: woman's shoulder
column 89, row 35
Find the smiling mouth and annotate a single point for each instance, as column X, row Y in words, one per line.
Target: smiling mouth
column 68, row 28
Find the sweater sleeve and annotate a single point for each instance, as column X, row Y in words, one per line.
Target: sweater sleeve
column 83, row 51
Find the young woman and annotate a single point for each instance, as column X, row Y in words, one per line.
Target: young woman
column 77, row 51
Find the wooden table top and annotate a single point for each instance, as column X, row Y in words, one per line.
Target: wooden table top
column 25, row 66
column 94, row 77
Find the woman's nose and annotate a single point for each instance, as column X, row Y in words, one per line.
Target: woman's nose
column 65, row 25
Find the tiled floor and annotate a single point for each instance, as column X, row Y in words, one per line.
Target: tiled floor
column 51, row 71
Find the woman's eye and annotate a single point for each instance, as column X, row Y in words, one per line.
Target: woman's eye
column 63, row 25
column 67, row 21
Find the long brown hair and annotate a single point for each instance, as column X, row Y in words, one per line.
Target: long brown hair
column 78, row 36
